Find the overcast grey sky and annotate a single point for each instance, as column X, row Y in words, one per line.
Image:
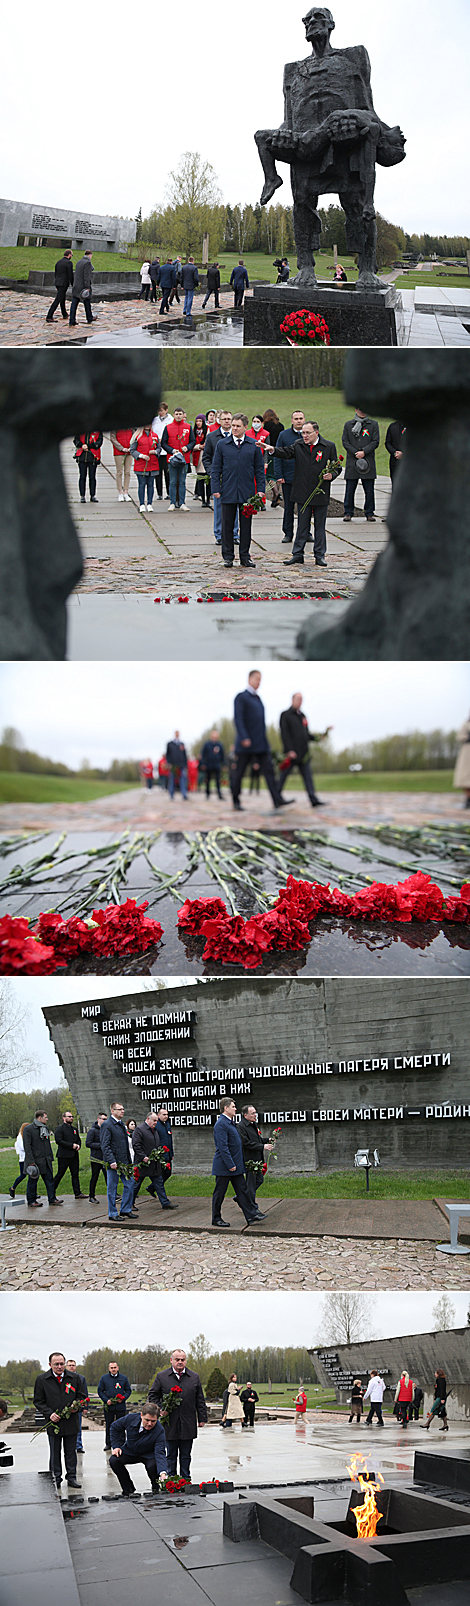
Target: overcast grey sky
column 79, row 1322
column 118, row 710
column 34, row 992
column 103, row 136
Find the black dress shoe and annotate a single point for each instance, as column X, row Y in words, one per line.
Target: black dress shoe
column 72, row 1483
column 80, row 1196
column 320, row 563
column 239, row 807
column 259, row 1216
column 56, row 1201
column 247, row 564
column 220, row 1223
column 287, row 540
column 309, row 538
column 284, row 802
column 228, row 563
column 317, row 803
column 170, row 1206
column 291, row 563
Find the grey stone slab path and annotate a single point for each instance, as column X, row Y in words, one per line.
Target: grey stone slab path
column 33, row 1257
column 413, row 1220
column 138, row 808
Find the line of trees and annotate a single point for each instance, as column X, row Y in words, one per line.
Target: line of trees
column 15, row 1108
column 415, row 750
column 278, row 1365
column 16, row 758
column 265, row 368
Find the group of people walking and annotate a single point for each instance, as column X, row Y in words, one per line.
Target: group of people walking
column 408, row 1399
column 238, row 464
column 159, row 281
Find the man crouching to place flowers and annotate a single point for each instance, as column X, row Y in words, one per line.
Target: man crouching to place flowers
column 138, row 1437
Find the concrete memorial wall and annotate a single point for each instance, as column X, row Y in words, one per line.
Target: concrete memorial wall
column 338, row 1064
column 336, row 1366
column 51, row 223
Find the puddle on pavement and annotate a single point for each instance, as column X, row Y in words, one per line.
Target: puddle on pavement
column 225, row 329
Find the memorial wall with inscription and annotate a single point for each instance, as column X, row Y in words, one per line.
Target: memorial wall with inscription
column 337, row 1366
column 337, row 1064
column 35, row 222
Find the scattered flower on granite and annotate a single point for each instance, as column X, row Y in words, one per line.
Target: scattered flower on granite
column 46, row 947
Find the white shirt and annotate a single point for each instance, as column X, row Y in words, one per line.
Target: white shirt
column 19, row 1146
column 375, row 1390
column 159, row 424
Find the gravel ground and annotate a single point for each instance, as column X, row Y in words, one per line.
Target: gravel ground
column 30, row 1260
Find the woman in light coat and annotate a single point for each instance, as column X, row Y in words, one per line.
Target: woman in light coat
column 145, row 282
column 19, row 1146
column 462, row 769
column 234, row 1410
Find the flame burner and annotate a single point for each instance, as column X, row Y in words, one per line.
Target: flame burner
column 421, row 1543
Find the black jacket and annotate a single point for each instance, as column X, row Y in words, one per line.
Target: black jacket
column 93, row 1141
column 212, row 756
column 252, row 1142
column 308, row 465
column 295, row 732
column 366, row 442
column 49, row 1395
column 63, row 273
column 65, row 1136
column 143, row 1141
column 114, row 1142
column 164, row 1138
column 395, row 441
column 249, row 1394
column 213, row 278
column 189, row 276
column 176, row 755
column 184, row 1420
column 109, row 1386
column 37, row 1150
column 287, row 437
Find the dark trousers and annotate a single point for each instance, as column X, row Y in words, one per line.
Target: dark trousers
column 266, row 766
column 184, row 1448
column 405, row 1408
column 303, row 766
column 153, row 291
column 163, row 472
column 21, row 1178
column 59, row 301
column 215, row 294
column 253, row 1181
column 96, row 1167
column 73, row 309
column 249, row 1407
column 144, row 292
column 120, row 1463
column 241, row 1194
column 64, row 1165
column 165, row 299
column 156, row 1183
column 111, row 1412
column 303, row 531
column 32, row 1187
column 238, row 294
column 289, row 509
column 350, row 492
column 173, row 295
column 228, row 520
column 83, row 470
column 375, row 1409
column 69, row 1443
column 216, row 774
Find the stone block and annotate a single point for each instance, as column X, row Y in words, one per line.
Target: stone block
column 354, row 317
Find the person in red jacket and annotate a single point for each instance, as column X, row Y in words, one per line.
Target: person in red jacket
column 404, row 1398
column 258, row 432
column 146, row 447
column 178, row 441
column 120, row 441
column 88, row 455
column 300, row 1403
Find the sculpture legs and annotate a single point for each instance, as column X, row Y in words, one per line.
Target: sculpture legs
column 307, row 225
column 264, row 139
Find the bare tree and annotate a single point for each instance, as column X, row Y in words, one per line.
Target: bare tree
column 346, row 1317
column 14, row 1061
column 443, row 1314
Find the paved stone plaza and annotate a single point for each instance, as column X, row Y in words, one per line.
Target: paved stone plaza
column 33, row 1257
column 137, row 808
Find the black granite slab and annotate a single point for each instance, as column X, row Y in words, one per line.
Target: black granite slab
column 354, row 317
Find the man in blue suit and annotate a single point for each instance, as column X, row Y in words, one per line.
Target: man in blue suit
column 114, row 1141
column 237, row 473
column 138, row 1437
column 227, row 1166
column 252, row 742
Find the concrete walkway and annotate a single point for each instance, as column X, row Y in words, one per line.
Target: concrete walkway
column 139, row 809
column 417, row 1220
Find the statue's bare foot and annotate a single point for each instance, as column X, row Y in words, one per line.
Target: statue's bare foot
column 269, row 187
column 305, row 278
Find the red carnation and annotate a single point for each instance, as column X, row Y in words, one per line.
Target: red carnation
column 20, row 950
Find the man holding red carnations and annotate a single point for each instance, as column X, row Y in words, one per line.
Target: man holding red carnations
column 179, row 1392
column 315, row 466
column 58, row 1395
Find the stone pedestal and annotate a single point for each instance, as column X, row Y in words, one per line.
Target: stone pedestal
column 354, row 317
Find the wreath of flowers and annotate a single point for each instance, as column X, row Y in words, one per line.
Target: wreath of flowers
column 41, row 949
column 305, row 328
column 231, row 939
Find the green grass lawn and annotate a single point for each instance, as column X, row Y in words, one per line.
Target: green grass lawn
column 322, row 1185
column 325, row 405
column 386, row 781
column 443, row 277
column 18, row 788
column 16, row 260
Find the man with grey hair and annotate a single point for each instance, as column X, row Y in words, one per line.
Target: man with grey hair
column 189, row 1410
column 315, row 466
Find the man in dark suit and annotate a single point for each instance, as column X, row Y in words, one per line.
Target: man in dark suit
column 134, row 1438
column 253, row 1146
column 227, row 1166
column 295, row 739
column 39, row 1160
column 63, row 277
column 116, row 1154
column 53, row 1390
column 252, row 742
column 210, row 443
column 176, row 757
column 395, row 444
column 361, row 437
column 114, row 1389
column 237, row 474
column 144, row 1139
column 249, row 1399
column 187, row 1416
column 212, row 759
column 93, row 1143
column 69, row 1144
column 284, row 473
column 71, row 1366
column 311, row 454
